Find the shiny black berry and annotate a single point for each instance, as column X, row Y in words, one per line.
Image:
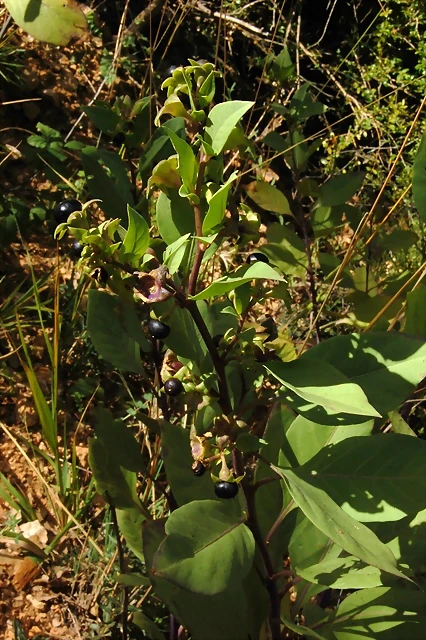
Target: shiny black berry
column 226, row 489
column 77, row 249
column 65, row 209
column 198, row 469
column 257, row 257
column 217, row 339
column 119, row 139
column 158, row 329
column 173, row 387
column 100, row 275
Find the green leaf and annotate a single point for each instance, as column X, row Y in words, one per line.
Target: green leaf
column 115, row 331
column 286, row 250
column 185, row 340
column 379, row 478
column 130, row 521
column 165, row 175
column 268, row 197
column 217, row 206
column 342, row 573
column 187, row 163
column 415, row 312
column 399, row 425
column 148, row 626
column 102, row 116
column 110, row 477
column 136, row 240
column 120, row 440
column 341, row 188
column 53, row 21
column 198, row 535
column 321, row 384
column 304, row 438
column 381, row 613
column 257, row 271
column 47, row 421
column 176, row 454
column 175, row 253
column 103, row 187
column 386, row 365
column 328, row 517
column 198, row 613
column 301, row 630
column 175, row 216
column 419, row 179
column 221, row 120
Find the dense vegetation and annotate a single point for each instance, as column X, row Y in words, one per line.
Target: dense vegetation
column 213, row 319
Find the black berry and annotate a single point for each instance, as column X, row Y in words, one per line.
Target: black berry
column 257, row 257
column 119, row 139
column 158, row 329
column 226, row 489
column 100, row 275
column 198, row 469
column 217, row 339
column 173, row 387
column 65, row 209
column 77, row 249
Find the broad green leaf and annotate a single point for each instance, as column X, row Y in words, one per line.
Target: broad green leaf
column 165, row 175
column 321, row 384
column 175, row 216
column 270, row 498
column 406, row 539
column 136, row 240
column 396, row 240
column 347, row 533
column 221, row 120
column 110, row 477
column 268, row 197
column 103, row 187
column 174, row 107
column 217, row 206
column 240, row 608
column 342, row 573
column 53, row 21
column 148, row 626
column 309, row 546
column 304, row 438
column 130, row 521
column 102, row 116
column 286, row 250
column 185, row 340
column 112, row 326
column 415, row 312
column 379, row 478
column 399, row 425
column 187, row 163
column 176, row 454
column 221, row 286
column 160, row 146
column 386, row 365
column 341, row 188
column 175, row 253
column 208, row 548
column 301, row 630
column 120, row 440
column 419, row 179
column 381, row 613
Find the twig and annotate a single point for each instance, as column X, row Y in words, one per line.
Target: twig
column 199, row 252
column 122, row 563
column 252, row 523
column 200, row 6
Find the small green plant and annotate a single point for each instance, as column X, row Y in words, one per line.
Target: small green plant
column 304, row 492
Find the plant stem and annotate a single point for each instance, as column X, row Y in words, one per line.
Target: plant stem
column 252, row 523
column 122, row 563
column 200, row 249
